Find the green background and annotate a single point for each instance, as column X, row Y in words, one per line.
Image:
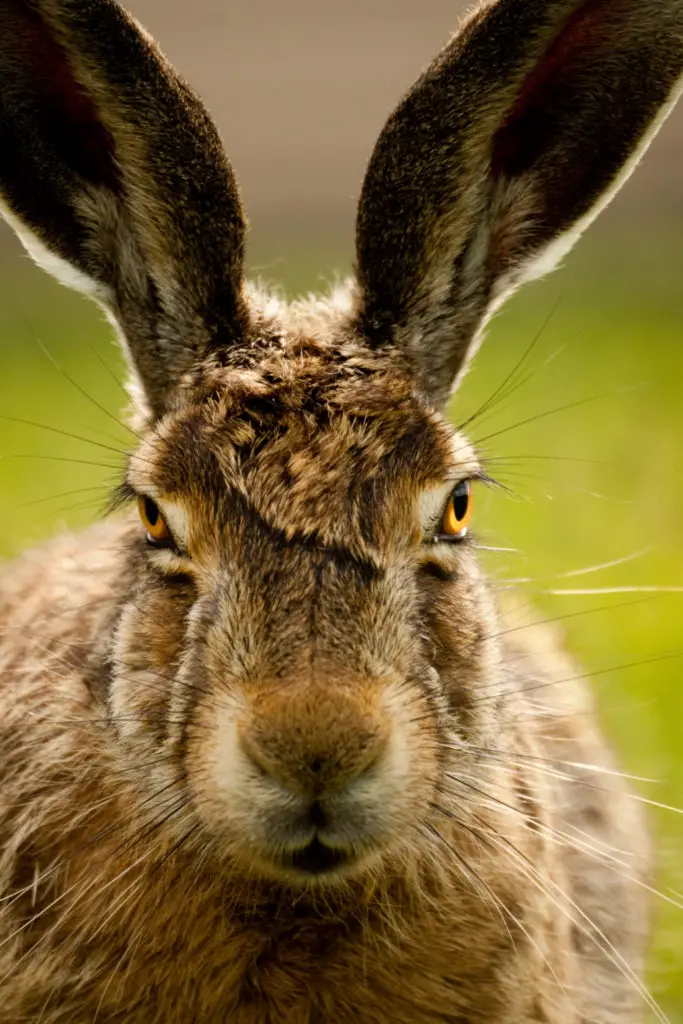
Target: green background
column 587, row 485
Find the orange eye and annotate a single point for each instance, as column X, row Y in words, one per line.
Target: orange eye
column 458, row 512
column 154, row 523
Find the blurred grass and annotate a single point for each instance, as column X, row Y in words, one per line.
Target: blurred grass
column 588, row 485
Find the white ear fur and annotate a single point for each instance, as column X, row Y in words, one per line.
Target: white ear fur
column 556, row 251
column 70, row 276
column 66, row 273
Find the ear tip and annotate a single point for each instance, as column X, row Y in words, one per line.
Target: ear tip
column 506, row 148
column 117, row 176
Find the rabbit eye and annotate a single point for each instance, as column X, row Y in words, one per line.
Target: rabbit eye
column 457, row 514
column 158, row 533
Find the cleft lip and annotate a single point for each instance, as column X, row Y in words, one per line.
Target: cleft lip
column 316, row 858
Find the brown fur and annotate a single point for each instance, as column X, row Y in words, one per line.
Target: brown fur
column 309, row 656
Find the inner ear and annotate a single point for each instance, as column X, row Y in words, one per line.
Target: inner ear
column 548, row 99
column 65, row 115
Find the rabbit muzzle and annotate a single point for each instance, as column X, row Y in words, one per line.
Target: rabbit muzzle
column 319, row 772
column 316, row 780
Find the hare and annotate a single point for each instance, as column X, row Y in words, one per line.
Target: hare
column 268, row 754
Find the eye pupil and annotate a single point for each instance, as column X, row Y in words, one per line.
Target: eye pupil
column 458, row 512
column 461, row 502
column 158, row 533
column 151, row 512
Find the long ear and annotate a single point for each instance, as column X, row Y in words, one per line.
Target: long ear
column 504, row 151
column 114, row 177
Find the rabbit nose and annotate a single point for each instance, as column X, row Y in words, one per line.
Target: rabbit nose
column 315, row 774
column 316, row 756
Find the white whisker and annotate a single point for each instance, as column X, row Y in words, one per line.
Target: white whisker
column 586, row 571
column 576, row 592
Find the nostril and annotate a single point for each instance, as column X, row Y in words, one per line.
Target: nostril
column 314, row 772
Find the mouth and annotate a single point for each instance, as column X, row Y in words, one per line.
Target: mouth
column 316, row 859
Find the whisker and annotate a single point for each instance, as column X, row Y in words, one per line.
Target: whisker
column 501, row 405
column 65, row 433
column 564, row 777
column 503, row 459
column 479, row 885
column 110, row 373
column 500, row 904
column 56, row 497
column 585, row 924
column 568, row 615
column 500, row 393
column 578, row 403
column 585, row 591
column 587, row 570
column 489, row 547
column 61, row 458
column 81, row 390
column 553, row 761
column 583, row 675
column 564, row 839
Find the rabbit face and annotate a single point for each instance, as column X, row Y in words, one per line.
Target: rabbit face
column 304, row 645
column 298, row 667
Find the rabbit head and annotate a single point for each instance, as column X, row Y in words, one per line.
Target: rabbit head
column 304, row 653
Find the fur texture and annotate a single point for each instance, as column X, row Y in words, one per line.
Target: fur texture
column 288, row 765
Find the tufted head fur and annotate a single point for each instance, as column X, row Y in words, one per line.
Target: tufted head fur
column 282, row 719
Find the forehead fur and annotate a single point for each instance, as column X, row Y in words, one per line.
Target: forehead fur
column 306, row 427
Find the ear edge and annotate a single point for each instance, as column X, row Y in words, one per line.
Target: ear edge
column 416, row 313
column 204, row 306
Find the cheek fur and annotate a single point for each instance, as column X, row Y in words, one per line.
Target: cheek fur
column 461, row 635
column 148, row 645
